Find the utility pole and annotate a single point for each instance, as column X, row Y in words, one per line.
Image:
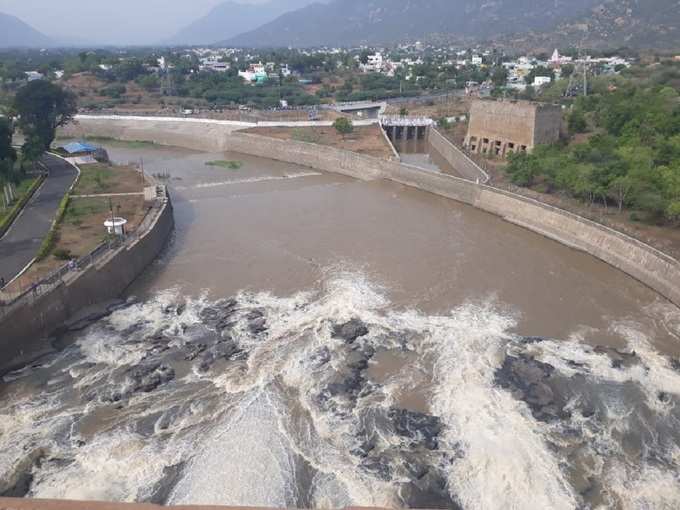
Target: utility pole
column 585, row 79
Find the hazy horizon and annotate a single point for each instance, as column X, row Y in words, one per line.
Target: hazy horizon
column 125, row 22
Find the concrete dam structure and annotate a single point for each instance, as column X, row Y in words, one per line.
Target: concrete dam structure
column 644, row 263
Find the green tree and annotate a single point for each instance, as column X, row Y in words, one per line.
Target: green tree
column 577, row 122
column 42, row 107
column 7, row 153
column 343, row 126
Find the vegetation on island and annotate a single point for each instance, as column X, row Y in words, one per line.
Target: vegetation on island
column 231, row 165
column 623, row 149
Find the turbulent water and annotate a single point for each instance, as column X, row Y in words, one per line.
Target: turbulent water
column 270, row 401
column 362, row 365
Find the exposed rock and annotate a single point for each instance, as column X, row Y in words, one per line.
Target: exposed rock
column 350, row 331
column 420, row 428
column 146, row 378
column 321, row 357
column 378, row 467
column 160, row 492
column 675, row 364
column 620, row 359
column 528, row 379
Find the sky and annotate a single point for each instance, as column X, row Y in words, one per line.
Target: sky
column 109, row 21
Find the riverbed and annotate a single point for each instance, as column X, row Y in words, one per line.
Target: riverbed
column 310, row 340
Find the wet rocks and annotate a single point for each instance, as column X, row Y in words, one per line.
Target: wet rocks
column 17, row 483
column 420, row 428
column 378, row 467
column 160, row 493
column 220, row 315
column 350, row 331
column 675, row 364
column 619, row 359
column 225, row 349
column 321, row 357
column 146, row 378
column 528, row 379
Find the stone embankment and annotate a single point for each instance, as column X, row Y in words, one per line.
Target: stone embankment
column 648, row 265
column 27, row 323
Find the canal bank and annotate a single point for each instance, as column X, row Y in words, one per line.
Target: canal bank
column 28, row 321
column 639, row 260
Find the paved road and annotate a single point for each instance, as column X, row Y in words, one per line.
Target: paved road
column 22, row 242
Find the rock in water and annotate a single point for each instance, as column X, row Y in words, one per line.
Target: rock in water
column 350, row 331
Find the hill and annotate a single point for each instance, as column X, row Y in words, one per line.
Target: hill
column 16, row 33
column 230, row 19
column 630, row 23
column 355, row 22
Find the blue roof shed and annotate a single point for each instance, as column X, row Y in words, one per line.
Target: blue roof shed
column 79, row 148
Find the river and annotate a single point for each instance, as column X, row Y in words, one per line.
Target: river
column 310, row 340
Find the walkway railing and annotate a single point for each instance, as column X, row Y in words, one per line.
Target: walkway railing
column 30, row 291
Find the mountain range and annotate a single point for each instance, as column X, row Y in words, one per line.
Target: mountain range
column 230, row 18
column 16, row 33
column 355, row 22
column 612, row 24
column 597, row 23
column 517, row 24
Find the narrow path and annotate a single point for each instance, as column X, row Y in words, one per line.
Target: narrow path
column 21, row 243
column 98, row 195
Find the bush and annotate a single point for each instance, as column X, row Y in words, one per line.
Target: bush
column 62, row 254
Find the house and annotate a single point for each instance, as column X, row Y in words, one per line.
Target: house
column 33, row 75
column 540, row 81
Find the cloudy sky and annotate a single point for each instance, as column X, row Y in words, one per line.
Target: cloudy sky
column 109, row 21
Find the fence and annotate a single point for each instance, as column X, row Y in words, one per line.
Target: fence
column 31, row 291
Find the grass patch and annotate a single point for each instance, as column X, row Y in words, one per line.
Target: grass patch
column 231, row 165
column 306, row 135
column 130, row 144
column 83, row 207
column 52, row 236
column 95, row 178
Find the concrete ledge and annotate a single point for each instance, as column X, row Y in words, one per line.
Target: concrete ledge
column 456, row 157
column 26, row 324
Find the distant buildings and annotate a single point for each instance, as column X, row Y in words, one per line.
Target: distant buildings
column 33, row 75
column 500, row 128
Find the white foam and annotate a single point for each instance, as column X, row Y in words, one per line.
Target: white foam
column 505, row 462
column 250, row 180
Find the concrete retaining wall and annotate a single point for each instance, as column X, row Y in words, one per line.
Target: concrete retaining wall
column 456, row 157
column 26, row 326
column 651, row 267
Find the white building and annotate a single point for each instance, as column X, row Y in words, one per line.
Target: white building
column 540, row 81
column 33, row 75
column 477, row 60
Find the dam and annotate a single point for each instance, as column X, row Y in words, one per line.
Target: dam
column 314, row 339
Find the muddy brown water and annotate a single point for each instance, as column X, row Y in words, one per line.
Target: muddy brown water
column 457, row 395
column 278, row 227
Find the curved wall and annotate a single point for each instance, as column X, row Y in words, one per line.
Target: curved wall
column 26, row 325
column 646, row 264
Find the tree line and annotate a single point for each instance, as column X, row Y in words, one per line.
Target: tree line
column 38, row 109
column 629, row 156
